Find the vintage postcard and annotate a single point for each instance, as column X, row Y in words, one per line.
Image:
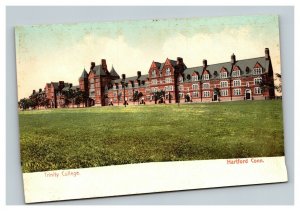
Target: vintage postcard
column 130, row 107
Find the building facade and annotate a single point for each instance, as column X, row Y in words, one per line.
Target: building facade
column 177, row 83
column 168, row 82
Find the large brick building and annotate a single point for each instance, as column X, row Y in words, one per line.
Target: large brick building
column 232, row 80
column 176, row 83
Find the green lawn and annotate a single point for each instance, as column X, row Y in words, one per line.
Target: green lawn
column 90, row 137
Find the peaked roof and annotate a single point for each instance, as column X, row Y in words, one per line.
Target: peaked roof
column 113, row 72
column 84, row 74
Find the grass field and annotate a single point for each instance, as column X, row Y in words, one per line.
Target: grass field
column 90, row 137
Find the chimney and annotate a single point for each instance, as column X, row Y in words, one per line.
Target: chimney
column 70, row 85
column 138, row 74
column 123, row 76
column 33, row 91
column 40, row 90
column 233, row 60
column 204, row 63
column 103, row 64
column 267, row 54
column 179, row 60
column 92, row 65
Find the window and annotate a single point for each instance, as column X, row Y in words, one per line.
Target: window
column 205, row 86
column 237, row 92
column 195, row 87
column 168, row 88
column 205, row 77
column 168, row 72
column 223, row 74
column 236, row 73
column 224, row 84
column 153, row 74
column 180, row 88
column 181, row 95
column 168, row 80
column 115, row 94
column 237, row 83
column 257, row 90
column 247, row 84
column 257, row 71
column 154, row 89
column 195, row 94
column 129, row 85
column 257, row 81
column 195, row 78
column 180, row 79
column 154, row 81
column 206, row 94
column 224, row 92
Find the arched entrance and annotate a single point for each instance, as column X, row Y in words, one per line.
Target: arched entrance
column 248, row 94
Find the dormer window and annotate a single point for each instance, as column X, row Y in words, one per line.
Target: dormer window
column 236, row 73
column 205, row 77
column 153, row 74
column 195, row 78
column 223, row 74
column 257, row 71
column 129, row 85
column 168, row 72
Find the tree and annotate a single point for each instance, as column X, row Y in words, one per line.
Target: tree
column 137, row 96
column 187, row 98
column 24, row 103
column 69, row 96
column 279, row 86
column 158, row 95
column 119, row 97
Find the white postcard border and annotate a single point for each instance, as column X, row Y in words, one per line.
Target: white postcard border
column 151, row 177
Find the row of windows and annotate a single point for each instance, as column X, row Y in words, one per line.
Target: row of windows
column 168, row 72
column 235, row 73
column 223, row 93
column 206, row 85
column 167, row 80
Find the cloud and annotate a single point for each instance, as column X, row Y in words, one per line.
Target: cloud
column 67, row 62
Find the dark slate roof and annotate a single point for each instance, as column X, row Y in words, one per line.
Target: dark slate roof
column 66, row 88
column 143, row 77
column 55, row 84
column 113, row 72
column 158, row 64
column 98, row 70
column 84, row 74
column 190, row 71
column 173, row 62
column 242, row 64
column 133, row 78
column 75, row 87
column 116, row 81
